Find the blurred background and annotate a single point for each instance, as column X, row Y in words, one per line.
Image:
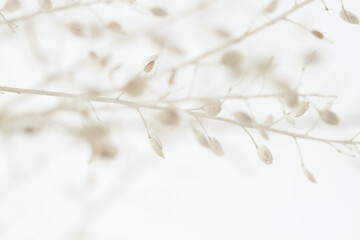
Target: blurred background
column 48, row 188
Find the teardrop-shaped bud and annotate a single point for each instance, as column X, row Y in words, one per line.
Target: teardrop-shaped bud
column 136, row 86
column 169, row 117
column 317, row 34
column 156, row 145
column 264, row 154
column 329, row 117
column 300, row 109
column 349, row 16
column 243, row 118
column 45, row 5
column 290, row 98
column 231, row 58
column 216, row 147
column 159, row 12
column 271, row 7
column 12, row 5
column 309, row 175
column 149, row 63
column 202, row 139
column 212, row 108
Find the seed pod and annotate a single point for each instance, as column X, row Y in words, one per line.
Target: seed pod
column 149, row 63
column 271, row 7
column 243, row 118
column 202, row 139
column 309, row 175
column 169, row 117
column 349, row 16
column 212, row 108
column 156, row 145
column 290, row 98
column 45, row 5
column 264, row 154
column 108, row 151
column 77, row 29
column 231, row 59
column 136, row 86
column 317, row 34
column 264, row 133
column 12, row 5
column 216, row 147
column 329, row 117
column 300, row 109
column 114, row 26
column 159, row 12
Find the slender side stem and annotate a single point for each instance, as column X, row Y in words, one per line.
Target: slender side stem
column 244, row 36
column 145, row 124
column 59, row 9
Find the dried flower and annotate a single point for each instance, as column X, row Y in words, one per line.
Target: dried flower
column 45, row 5
column 202, row 139
column 243, row 118
column 156, row 145
column 231, row 58
column 329, row 117
column 169, row 117
column 136, row 86
column 77, row 29
column 159, row 12
column 349, row 16
column 114, row 26
column 12, row 5
column 271, row 7
column 149, row 63
column 212, row 108
column 216, row 147
column 309, row 175
column 264, row 154
column 317, row 34
column 300, row 109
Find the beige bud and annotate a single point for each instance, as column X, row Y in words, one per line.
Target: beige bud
column 156, row 145
column 264, row 154
column 300, row 109
column 216, row 147
column 243, row 118
column 212, row 108
column 329, row 117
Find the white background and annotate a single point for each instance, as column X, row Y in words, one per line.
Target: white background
column 49, row 191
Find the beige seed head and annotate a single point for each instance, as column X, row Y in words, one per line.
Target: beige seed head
column 202, row 139
column 156, row 145
column 300, row 109
column 349, row 16
column 136, row 86
column 114, row 26
column 12, row 5
column 243, row 118
column 149, row 63
column 271, row 7
column 309, row 175
column 264, row 154
column 329, row 117
column 216, row 147
column 231, row 58
column 159, row 12
column 212, row 108
column 45, row 5
column 169, row 117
